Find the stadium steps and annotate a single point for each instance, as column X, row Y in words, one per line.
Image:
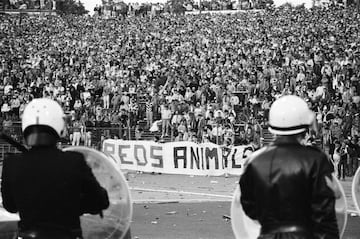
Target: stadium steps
column 148, row 135
column 267, row 137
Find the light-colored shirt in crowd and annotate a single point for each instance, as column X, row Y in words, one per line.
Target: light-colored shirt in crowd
column 217, row 131
column 166, row 114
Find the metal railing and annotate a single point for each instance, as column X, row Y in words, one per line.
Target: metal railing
column 96, row 134
column 6, row 149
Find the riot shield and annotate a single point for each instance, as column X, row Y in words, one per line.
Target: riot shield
column 116, row 219
column 8, row 224
column 355, row 190
column 243, row 226
column 246, row 228
column 340, row 206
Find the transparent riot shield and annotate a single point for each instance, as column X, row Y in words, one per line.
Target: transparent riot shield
column 243, row 226
column 116, row 219
column 246, row 228
column 355, row 190
column 340, row 206
column 8, row 224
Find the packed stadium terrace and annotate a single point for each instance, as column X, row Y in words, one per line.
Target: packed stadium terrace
column 178, row 74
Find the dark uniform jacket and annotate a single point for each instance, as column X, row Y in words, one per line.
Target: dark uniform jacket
column 284, row 188
column 50, row 189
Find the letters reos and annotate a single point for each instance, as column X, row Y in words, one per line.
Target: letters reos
column 136, row 156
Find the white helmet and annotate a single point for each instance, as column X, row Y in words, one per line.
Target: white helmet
column 44, row 112
column 290, row 115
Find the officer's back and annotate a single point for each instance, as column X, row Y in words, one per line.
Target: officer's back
column 283, row 175
column 285, row 186
column 49, row 188
column 46, row 185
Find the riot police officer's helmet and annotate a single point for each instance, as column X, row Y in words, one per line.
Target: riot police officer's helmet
column 290, row 115
column 43, row 122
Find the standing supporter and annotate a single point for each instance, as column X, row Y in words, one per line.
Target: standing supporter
column 88, row 128
column 336, row 130
column 115, row 101
column 355, row 129
column 149, row 111
column 229, row 134
column 352, row 151
column 7, row 124
column 133, row 112
column 327, row 140
column 76, row 133
column 336, row 156
column 5, row 108
column 201, row 122
column 176, row 119
column 78, row 105
column 166, row 115
column 218, row 133
column 124, row 123
column 340, row 158
column 106, row 96
column 180, row 136
column 15, row 106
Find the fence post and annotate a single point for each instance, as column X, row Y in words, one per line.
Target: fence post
column 129, row 127
column 3, row 153
column 120, row 133
column 172, row 127
column 85, row 135
column 217, row 132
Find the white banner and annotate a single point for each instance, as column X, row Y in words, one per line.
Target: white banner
column 177, row 157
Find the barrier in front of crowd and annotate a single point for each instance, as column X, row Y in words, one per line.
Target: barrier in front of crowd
column 6, row 149
column 214, row 12
column 115, row 131
column 94, row 132
column 93, row 136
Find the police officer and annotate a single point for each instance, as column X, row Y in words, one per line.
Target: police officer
column 285, row 185
column 49, row 188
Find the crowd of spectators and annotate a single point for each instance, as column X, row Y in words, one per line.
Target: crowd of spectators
column 117, row 9
column 206, row 78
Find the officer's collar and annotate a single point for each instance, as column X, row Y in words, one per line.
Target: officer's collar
column 287, row 139
column 42, row 147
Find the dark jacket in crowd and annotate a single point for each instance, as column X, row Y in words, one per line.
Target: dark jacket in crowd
column 284, row 188
column 50, row 189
